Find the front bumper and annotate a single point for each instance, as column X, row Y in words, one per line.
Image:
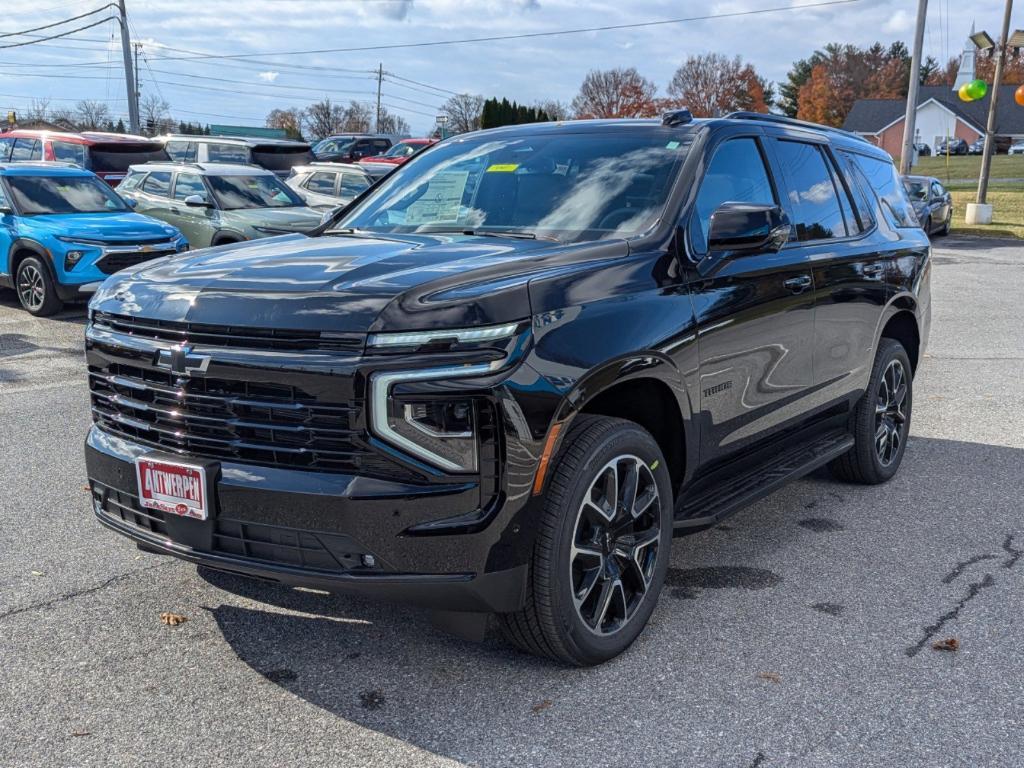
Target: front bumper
column 324, row 531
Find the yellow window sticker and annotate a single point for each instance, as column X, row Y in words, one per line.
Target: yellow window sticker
column 502, row 168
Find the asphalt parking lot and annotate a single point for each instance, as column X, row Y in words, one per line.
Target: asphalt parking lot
column 798, row 633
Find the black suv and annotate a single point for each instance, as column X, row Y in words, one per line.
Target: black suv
column 501, row 379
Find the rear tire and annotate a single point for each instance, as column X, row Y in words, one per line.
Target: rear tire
column 947, row 224
column 597, row 568
column 35, row 288
column 880, row 420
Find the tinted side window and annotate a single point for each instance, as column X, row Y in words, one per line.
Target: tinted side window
column 188, row 184
column 181, row 151
column 812, row 193
column 157, row 183
column 736, row 174
column 380, row 146
column 882, row 178
column 858, row 187
column 68, row 152
column 26, row 149
column 353, row 184
column 227, row 153
column 5, row 149
column 937, row 189
column 321, row 182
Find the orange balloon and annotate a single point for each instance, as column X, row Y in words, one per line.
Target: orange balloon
column 1018, row 95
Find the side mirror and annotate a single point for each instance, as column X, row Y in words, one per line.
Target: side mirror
column 747, row 228
column 5, row 209
column 131, row 202
column 196, row 201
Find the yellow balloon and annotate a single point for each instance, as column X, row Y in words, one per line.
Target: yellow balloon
column 965, row 92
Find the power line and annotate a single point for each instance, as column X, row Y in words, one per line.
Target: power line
column 524, row 35
column 57, row 23
column 62, row 34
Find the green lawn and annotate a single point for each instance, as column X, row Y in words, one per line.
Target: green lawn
column 969, row 166
column 1007, row 211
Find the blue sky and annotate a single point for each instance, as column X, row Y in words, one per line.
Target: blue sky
column 88, row 64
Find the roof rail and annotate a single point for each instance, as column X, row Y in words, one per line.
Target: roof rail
column 783, row 120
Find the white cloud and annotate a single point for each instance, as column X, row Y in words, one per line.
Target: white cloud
column 268, row 77
column 901, row 21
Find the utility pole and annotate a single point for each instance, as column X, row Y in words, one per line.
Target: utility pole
column 129, row 73
column 380, row 79
column 907, row 155
column 138, row 82
column 990, row 129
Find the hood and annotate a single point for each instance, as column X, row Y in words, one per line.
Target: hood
column 299, row 219
column 344, row 283
column 124, row 227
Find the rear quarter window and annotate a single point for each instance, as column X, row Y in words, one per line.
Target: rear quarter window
column 883, row 180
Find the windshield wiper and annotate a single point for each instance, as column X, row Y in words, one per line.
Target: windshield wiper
column 515, row 234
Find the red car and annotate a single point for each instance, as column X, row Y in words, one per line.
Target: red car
column 398, row 154
column 108, row 155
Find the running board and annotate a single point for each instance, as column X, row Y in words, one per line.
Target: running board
column 721, row 500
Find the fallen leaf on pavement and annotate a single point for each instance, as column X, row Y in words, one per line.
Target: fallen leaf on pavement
column 949, row 644
column 80, row 733
column 86, row 487
column 538, row 708
column 172, row 619
column 38, row 573
column 771, row 677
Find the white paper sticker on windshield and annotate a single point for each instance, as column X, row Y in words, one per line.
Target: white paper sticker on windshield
column 442, row 200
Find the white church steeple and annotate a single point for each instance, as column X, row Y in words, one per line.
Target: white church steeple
column 965, row 73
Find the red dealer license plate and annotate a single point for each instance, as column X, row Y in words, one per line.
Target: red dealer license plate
column 172, row 487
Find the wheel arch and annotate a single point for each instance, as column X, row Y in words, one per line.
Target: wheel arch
column 647, row 390
column 900, row 322
column 20, row 249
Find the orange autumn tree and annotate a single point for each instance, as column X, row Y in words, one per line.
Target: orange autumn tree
column 621, row 92
column 713, row 84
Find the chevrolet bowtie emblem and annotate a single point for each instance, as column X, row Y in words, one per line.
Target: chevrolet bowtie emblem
column 183, row 361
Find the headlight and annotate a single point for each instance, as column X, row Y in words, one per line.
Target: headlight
column 457, row 336
column 441, row 430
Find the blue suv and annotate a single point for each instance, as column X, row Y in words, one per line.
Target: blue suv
column 63, row 231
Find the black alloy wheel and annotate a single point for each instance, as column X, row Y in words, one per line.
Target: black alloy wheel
column 890, row 416
column 615, row 544
column 601, row 548
column 880, row 422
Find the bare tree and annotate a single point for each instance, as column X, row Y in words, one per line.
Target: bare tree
column 155, row 115
column 463, row 112
column 712, row 84
column 324, row 118
column 359, row 116
column 394, row 124
column 38, row 110
column 288, row 120
column 615, row 93
column 91, row 115
column 556, row 110
column 63, row 117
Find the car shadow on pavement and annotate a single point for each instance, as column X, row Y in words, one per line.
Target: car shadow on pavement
column 386, row 668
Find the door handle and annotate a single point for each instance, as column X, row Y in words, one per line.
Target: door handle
column 873, row 271
column 798, row 284
column 175, row 211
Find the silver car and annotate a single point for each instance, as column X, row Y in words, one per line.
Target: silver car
column 325, row 186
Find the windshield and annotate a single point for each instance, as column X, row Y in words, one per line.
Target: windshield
column 334, row 146
column 63, row 194
column 918, row 190
column 568, row 187
column 263, row 191
column 402, row 150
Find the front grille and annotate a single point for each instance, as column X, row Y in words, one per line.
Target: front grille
column 256, row 541
column 115, row 262
column 257, row 423
column 228, row 335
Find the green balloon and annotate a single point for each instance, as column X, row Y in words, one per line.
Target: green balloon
column 977, row 89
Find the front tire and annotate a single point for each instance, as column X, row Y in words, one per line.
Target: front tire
column 880, row 420
column 35, row 288
column 602, row 547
